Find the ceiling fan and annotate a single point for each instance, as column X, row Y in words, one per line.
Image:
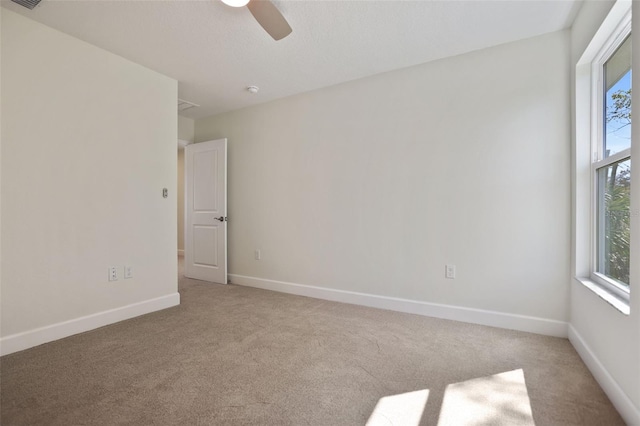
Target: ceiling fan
column 267, row 15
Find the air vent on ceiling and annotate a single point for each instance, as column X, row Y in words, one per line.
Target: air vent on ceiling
column 29, row 4
column 184, row 105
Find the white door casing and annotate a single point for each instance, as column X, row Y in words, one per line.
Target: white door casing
column 205, row 246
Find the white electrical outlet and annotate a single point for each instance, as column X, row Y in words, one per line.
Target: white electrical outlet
column 128, row 272
column 450, row 271
column 257, row 255
column 113, row 274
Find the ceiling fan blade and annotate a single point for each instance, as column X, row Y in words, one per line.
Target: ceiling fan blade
column 268, row 15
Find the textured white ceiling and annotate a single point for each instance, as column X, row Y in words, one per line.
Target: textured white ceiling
column 216, row 51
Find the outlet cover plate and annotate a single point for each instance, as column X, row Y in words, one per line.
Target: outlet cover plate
column 450, row 272
column 113, row 274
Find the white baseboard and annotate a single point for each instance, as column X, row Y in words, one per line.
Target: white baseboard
column 180, row 252
column 28, row 339
column 456, row 313
column 629, row 412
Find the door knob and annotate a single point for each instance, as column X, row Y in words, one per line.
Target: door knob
column 221, row 218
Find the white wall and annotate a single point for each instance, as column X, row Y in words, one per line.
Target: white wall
column 186, row 129
column 0, row 170
column 373, row 185
column 608, row 340
column 89, row 141
column 180, row 200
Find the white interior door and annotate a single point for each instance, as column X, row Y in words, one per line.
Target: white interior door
column 205, row 245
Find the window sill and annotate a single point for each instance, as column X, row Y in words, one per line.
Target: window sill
column 611, row 299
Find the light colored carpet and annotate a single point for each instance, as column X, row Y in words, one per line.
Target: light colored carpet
column 233, row 355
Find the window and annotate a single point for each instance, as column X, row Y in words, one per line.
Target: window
column 611, row 103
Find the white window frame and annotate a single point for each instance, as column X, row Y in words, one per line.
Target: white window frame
column 589, row 132
column 598, row 160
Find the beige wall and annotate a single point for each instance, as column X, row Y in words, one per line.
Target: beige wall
column 373, row 185
column 89, row 142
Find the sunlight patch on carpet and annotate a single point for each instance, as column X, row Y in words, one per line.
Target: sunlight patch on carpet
column 403, row 409
column 501, row 399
